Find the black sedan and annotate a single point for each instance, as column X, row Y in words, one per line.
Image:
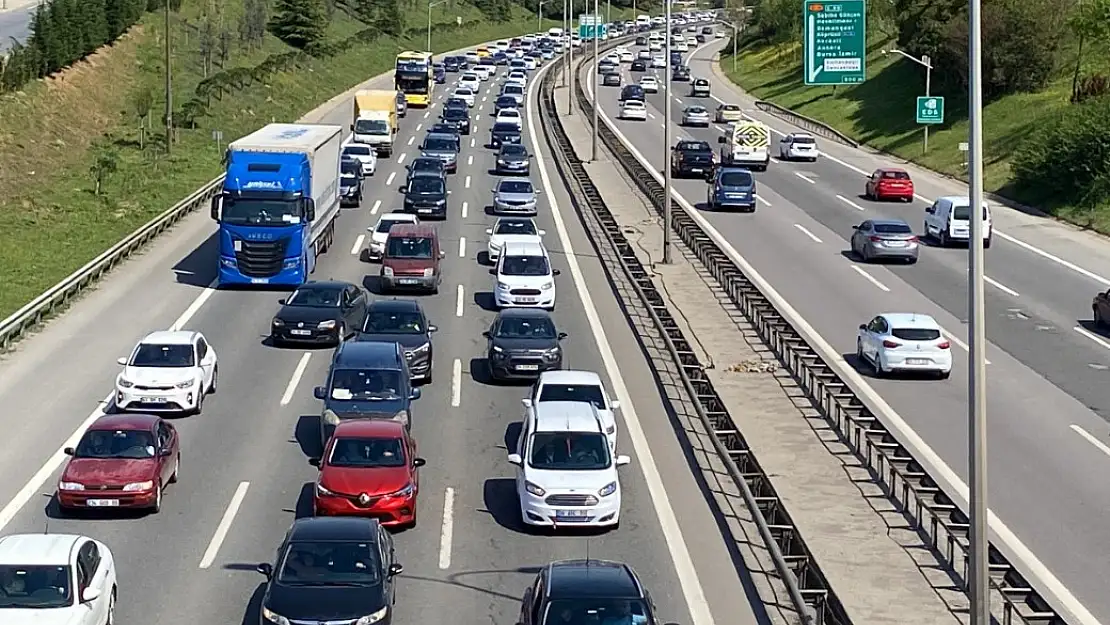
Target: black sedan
column 513, row 159
column 458, row 118
column 425, row 166
column 402, row 321
column 523, row 343
column 319, row 312
column 502, row 133
column 331, row 569
column 638, row 66
column 504, row 102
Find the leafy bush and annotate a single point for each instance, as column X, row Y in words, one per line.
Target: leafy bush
column 1067, row 162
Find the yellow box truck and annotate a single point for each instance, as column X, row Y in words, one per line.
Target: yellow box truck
column 375, row 121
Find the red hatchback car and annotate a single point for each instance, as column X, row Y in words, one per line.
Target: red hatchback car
column 889, row 183
column 122, row 461
column 369, row 468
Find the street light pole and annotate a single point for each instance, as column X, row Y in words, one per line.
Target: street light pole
column 570, row 61
column 927, row 63
column 430, row 5
column 667, row 201
column 539, row 15
column 169, row 82
column 597, row 83
column 562, row 38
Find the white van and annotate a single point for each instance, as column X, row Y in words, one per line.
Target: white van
column 949, row 220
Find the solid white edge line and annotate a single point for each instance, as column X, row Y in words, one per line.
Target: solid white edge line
column 358, row 244
column 1092, row 336
column 456, row 383
column 870, row 278
column 447, row 530
column 224, row 526
column 806, row 232
column 1072, row 610
column 1091, row 439
column 460, row 300
column 291, row 387
column 687, row 573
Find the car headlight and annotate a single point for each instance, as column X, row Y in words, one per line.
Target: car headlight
column 274, row 617
column 404, row 492
column 124, row 382
column 277, row 323
column 293, row 263
column 423, row 348
column 551, row 354
column 377, row 245
column 547, row 286
column 611, row 429
column 320, row 490
column 370, row 619
column 70, row 486
column 429, row 272
column 502, row 286
column 134, row 486
column 534, row 489
column 502, row 162
column 497, row 349
column 326, row 325
column 608, row 489
column 387, row 272
column 185, row 384
column 330, row 418
column 401, row 416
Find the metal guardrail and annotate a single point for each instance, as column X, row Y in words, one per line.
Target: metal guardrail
column 808, row 123
column 907, row 480
column 814, row 602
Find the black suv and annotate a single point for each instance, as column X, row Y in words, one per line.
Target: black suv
column 367, row 380
column 586, row 591
column 692, row 158
column 681, row 74
column 402, row 321
column 425, row 166
column 459, row 118
column 502, row 133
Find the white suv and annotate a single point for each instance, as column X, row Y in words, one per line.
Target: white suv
column 524, row 277
column 566, row 473
column 575, row 386
column 168, row 371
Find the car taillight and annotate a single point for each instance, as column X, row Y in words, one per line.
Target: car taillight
column 944, row 345
column 891, row 344
column 913, row 239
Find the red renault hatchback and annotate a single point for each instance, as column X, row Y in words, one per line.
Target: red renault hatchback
column 122, row 461
column 889, row 183
column 369, row 468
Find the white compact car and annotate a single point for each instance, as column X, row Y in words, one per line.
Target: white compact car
column 579, row 386
column 507, row 230
column 655, row 46
column 633, row 109
column 366, row 155
column 470, row 81
column 509, row 116
column 627, row 57
column 466, row 94
column 566, row 472
column 524, row 277
column 380, row 232
column 800, row 146
column 903, row 343
column 57, row 578
column 649, row 84
column 168, row 371
column 485, row 71
column 659, row 62
column 530, row 63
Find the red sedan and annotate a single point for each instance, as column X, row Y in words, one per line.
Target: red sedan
column 122, row 461
column 369, row 468
column 889, row 183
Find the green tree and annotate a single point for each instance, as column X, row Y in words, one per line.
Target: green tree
column 389, row 18
column 299, row 23
column 1090, row 21
column 106, row 164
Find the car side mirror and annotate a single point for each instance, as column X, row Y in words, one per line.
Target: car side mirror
column 526, row 402
column 432, row 328
column 489, row 231
column 541, row 232
column 319, row 393
column 418, row 462
column 415, row 393
column 314, row 462
column 443, row 254
column 563, row 335
column 121, row 361
column 623, row 460
column 266, row 569
column 487, row 334
column 281, row 302
column 556, row 272
column 395, row 569
column 515, row 459
column 166, row 452
column 493, row 272
column 863, row 326
column 855, row 227
column 90, row 594
column 69, row 451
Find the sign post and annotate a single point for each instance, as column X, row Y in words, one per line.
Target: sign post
column 835, row 42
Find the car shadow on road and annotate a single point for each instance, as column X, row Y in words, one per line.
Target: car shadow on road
column 512, row 435
column 199, row 267
column 307, row 435
column 252, row 614
column 303, row 508
column 501, row 502
column 485, row 301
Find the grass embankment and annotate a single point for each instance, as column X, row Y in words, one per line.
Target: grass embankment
column 54, row 132
column 880, row 112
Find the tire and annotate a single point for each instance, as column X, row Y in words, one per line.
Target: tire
column 157, row 507
column 859, row 353
column 215, row 380
column 944, row 375
column 111, row 619
column 200, row 405
column 341, row 335
column 176, row 469
column 1099, row 321
column 987, row 243
column 943, row 239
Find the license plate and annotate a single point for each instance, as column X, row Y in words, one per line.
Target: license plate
column 301, row 332
column 917, row 361
column 896, row 243
column 527, row 367
column 155, row 400
column 407, row 281
column 696, row 170
column 526, row 300
column 259, row 280
column 571, row 513
column 424, row 210
column 103, row 503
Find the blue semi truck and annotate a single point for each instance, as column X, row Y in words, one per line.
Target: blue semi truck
column 279, row 203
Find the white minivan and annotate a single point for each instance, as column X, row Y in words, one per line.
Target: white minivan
column 948, row 220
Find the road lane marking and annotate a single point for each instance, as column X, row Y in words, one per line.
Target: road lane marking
column 651, row 116
column 870, row 278
column 470, row 160
column 1001, row 287
column 462, row 247
column 389, row 180
column 412, row 139
column 293, row 381
column 850, row 203
column 471, row 142
column 1094, row 337
column 401, row 158
column 456, row 383
column 358, row 244
column 1090, row 438
column 806, row 232
column 193, row 307
column 466, row 183
column 377, row 205
column 421, row 125
column 804, row 177
column 225, row 525
column 426, row 114
column 760, row 198
column 447, row 531
column 464, row 209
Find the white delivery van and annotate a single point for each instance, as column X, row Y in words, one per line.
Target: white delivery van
column 948, row 220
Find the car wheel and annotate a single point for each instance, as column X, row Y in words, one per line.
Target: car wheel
column 1099, row 321
column 943, row 239
column 341, row 334
column 987, row 243
column 176, row 469
column 111, row 618
column 859, row 352
column 944, row 375
column 215, row 380
column 157, row 506
column 200, row 405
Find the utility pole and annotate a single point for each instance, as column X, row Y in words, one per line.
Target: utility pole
column 169, row 83
column 597, row 82
column 566, row 34
column 570, row 61
column 667, row 201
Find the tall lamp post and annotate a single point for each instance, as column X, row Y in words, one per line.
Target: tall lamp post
column 539, row 15
column 569, row 69
column 667, row 201
column 430, row 5
column 597, row 83
column 927, row 63
column 169, row 81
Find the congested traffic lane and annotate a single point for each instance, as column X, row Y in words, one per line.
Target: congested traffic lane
column 1040, row 466
column 245, row 470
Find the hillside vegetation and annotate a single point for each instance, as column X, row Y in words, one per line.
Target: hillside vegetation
column 1046, row 91
column 83, row 157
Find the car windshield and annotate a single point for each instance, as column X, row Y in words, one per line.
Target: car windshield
column 455, row 103
column 509, row 113
column 315, row 296
column 371, row 127
column 696, row 110
column 35, row 586
column 409, row 247
column 893, row 229
column 569, row 451
column 513, row 150
column 330, row 563
column 426, row 164
column 915, row 334
column 577, row 392
column 516, row 226
column 896, row 175
column 463, row 92
column 505, row 102
column 526, row 328
column 515, row 186
column 506, row 127
column 525, row 266
column 393, row 322
column 439, row 145
column 455, row 115
column 123, row 444
column 514, row 90
column 349, row 168
column 426, row 184
column 736, row 179
column 356, row 150
column 593, row 611
column 155, row 355
column 365, row 384
column 367, row 453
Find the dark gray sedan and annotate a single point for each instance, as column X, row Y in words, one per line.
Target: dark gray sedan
column 523, row 343
column 402, row 321
column 879, row 239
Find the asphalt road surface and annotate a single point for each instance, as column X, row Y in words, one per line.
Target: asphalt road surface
column 1046, row 381
column 245, row 475
column 15, row 23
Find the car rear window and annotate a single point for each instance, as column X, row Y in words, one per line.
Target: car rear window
column 736, row 179
column 896, row 175
column 915, row 334
column 963, row 213
column 804, row 140
column 893, row 229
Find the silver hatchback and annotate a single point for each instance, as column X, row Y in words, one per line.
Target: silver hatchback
column 880, row 239
column 695, row 116
column 515, row 196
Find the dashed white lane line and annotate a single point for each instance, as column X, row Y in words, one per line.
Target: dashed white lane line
column 225, row 525
column 401, row 158
column 291, row 388
column 870, row 278
column 447, row 531
column 1099, row 445
column 470, row 160
column 462, row 247
column 760, row 198
column 465, row 206
column 472, row 142
column 412, row 139
column 804, row 177
column 358, row 244
column 377, row 205
column 389, row 180
column 419, row 126
column 1001, row 287
column 651, row 115
column 456, row 383
column 466, row 183
column 460, row 300
column 427, row 114
column 1092, row 336
column 850, row 202
column 806, row 232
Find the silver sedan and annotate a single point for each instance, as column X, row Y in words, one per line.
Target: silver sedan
column 879, row 239
column 695, row 116
column 515, row 196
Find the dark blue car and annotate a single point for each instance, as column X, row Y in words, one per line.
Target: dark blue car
column 452, row 63
column 367, row 380
column 732, row 188
column 439, row 72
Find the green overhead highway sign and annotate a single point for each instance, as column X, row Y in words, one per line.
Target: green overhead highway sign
column 835, row 42
column 930, row 110
column 589, row 24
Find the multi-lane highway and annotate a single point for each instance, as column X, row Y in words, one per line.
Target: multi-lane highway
column 1046, row 380
column 245, row 474
column 15, row 23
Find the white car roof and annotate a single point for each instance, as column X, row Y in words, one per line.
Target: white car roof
column 45, row 549
column 508, row 112
column 400, row 217
column 911, row 320
column 570, row 377
column 567, row 416
column 170, row 337
column 524, row 248
column 633, row 104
